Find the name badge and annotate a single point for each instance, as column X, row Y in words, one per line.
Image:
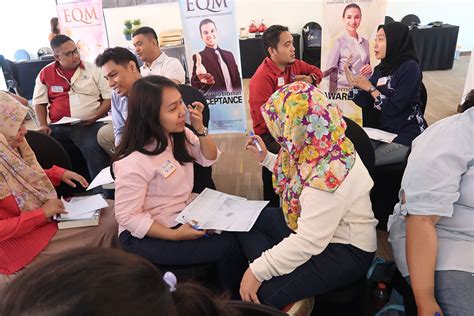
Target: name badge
column 167, row 168
column 74, row 99
column 281, row 81
column 57, row 89
column 382, row 81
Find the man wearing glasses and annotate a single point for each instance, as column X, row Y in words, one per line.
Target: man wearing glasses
column 71, row 87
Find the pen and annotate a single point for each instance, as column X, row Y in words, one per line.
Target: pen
column 255, row 142
column 194, row 225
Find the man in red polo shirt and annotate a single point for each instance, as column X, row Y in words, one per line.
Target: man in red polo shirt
column 279, row 68
column 70, row 87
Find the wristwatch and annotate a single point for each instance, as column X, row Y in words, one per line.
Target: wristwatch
column 372, row 89
column 205, row 132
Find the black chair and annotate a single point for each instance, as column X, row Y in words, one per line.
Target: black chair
column 362, row 144
column 350, row 300
column 423, row 97
column 252, row 309
column 50, row 152
column 202, row 175
column 411, row 19
column 388, row 19
column 312, row 43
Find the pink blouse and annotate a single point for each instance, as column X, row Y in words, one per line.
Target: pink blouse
column 149, row 188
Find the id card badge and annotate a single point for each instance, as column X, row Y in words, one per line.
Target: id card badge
column 382, row 81
column 281, row 81
column 57, row 89
column 74, row 99
column 167, row 168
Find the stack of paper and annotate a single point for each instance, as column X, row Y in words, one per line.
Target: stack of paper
column 219, row 211
column 67, row 120
column 104, row 177
column 82, row 211
column 107, row 119
column 377, row 134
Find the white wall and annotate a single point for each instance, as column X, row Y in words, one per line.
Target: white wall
column 29, row 28
column 25, row 24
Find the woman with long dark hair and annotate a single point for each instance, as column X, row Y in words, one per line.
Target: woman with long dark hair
column 153, row 166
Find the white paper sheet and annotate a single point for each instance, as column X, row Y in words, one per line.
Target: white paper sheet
column 104, row 177
column 377, row 134
column 83, row 207
column 220, row 211
column 66, row 120
column 107, row 119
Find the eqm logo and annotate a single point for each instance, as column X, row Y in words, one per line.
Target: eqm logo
column 80, row 15
column 209, row 5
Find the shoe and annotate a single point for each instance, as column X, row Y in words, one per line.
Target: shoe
column 302, row 307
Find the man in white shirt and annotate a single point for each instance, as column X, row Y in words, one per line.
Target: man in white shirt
column 155, row 61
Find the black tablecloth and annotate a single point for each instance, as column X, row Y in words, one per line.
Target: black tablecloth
column 252, row 54
column 436, row 46
column 27, row 73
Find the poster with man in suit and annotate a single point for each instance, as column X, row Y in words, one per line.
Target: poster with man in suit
column 212, row 52
column 214, row 69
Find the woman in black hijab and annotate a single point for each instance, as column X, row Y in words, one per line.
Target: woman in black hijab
column 390, row 99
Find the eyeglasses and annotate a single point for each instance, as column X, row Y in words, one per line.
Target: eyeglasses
column 71, row 53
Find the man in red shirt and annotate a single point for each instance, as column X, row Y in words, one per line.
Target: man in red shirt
column 279, row 68
column 71, row 87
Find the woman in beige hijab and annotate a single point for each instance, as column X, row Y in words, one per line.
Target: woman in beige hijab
column 28, row 201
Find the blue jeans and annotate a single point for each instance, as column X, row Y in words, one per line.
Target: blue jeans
column 339, row 265
column 83, row 137
column 223, row 250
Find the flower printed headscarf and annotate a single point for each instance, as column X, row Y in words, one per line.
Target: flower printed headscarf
column 20, row 173
column 314, row 149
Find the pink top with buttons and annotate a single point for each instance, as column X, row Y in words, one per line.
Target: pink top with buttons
column 154, row 188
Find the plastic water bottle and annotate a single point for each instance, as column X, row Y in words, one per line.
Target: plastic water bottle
column 380, row 296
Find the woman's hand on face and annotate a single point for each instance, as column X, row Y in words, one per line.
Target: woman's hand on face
column 195, row 115
column 53, row 207
column 365, row 71
column 251, row 146
column 249, row 287
column 362, row 83
column 69, row 175
column 187, row 232
column 348, row 71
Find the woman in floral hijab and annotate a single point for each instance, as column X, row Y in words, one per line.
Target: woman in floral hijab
column 323, row 237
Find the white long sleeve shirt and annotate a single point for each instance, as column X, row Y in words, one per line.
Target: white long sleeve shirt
column 344, row 217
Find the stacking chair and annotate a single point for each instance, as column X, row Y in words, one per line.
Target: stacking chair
column 362, row 144
column 49, row 152
column 312, row 43
column 410, row 19
column 388, row 19
column 202, row 175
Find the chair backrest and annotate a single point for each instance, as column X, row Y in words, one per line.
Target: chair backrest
column 22, row 54
column 252, row 309
column 202, row 175
column 362, row 144
column 44, row 51
column 311, row 35
column 423, row 97
column 49, row 152
column 410, row 19
column 190, row 95
column 388, row 19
